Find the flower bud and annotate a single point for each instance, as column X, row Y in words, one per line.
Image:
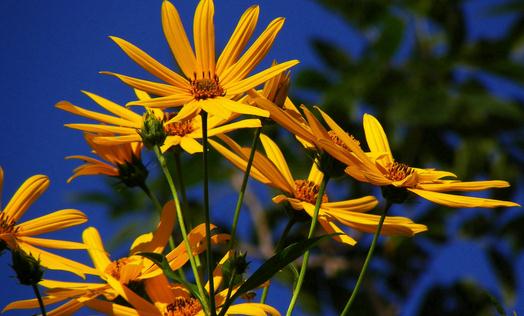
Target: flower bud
column 27, row 268
column 152, row 131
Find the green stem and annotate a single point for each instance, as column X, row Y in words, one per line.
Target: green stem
column 305, row 259
column 280, row 244
column 182, row 225
column 158, row 207
column 39, row 298
column 209, row 255
column 243, row 187
column 180, row 178
column 368, row 259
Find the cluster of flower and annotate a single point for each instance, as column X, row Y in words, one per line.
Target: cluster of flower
column 212, row 95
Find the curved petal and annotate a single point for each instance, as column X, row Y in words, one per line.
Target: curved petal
column 95, row 248
column 52, row 222
column 241, row 35
column 376, row 137
column 177, row 39
column 104, row 118
column 109, row 308
column 460, row 201
column 52, row 243
column 164, row 102
column 249, row 123
column 252, row 309
column 190, row 145
column 114, row 108
column 150, row 64
column 463, row 186
column 275, row 155
column 26, row 194
column 155, row 88
column 204, row 37
column 162, row 233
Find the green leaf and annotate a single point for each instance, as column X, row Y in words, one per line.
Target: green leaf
column 161, row 261
column 276, row 263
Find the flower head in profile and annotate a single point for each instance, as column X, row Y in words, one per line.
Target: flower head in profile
column 118, row 275
column 122, row 161
column 207, row 83
column 272, row 169
column 380, row 168
column 168, row 299
column 15, row 235
column 155, row 127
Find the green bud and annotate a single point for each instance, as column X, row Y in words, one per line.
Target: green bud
column 27, row 268
column 152, row 131
column 133, row 173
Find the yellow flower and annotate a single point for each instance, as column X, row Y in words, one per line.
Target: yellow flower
column 209, row 84
column 119, row 273
column 273, row 170
column 173, row 300
column 14, row 235
column 123, row 161
column 380, row 168
column 125, row 126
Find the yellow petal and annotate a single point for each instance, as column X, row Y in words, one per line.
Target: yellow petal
column 132, row 298
column 155, row 88
column 204, row 36
column 96, row 249
column 108, row 308
column 159, row 291
column 68, row 308
column 460, row 200
column 52, row 222
column 177, row 39
column 254, row 54
column 162, row 233
column 362, row 204
column 463, row 186
column 190, row 145
column 330, row 227
column 99, row 128
column 252, row 309
column 249, row 123
column 315, row 175
column 237, row 107
column 242, row 86
column 115, row 108
column 275, row 155
column 164, row 102
column 375, row 136
column 237, row 41
column 52, row 243
column 150, row 64
column 26, row 194
column 104, row 118
column 118, row 139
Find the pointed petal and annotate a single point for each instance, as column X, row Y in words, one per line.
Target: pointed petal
column 362, row 204
column 331, row 228
column 114, row 108
column 150, row 64
column 275, row 155
column 132, row 298
column 463, row 186
column 315, row 175
column 204, row 36
column 243, row 31
column 190, row 145
column 104, row 118
column 242, row 86
column 252, row 309
column 376, row 137
column 52, row 243
column 108, row 308
column 52, row 222
column 164, row 102
column 177, row 39
column 230, row 106
column 155, row 88
column 254, row 55
column 249, row 123
column 117, row 139
column 460, row 201
column 162, row 233
column 26, row 194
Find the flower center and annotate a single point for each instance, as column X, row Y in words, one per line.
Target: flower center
column 398, row 171
column 307, row 191
column 339, row 142
column 183, row 307
column 181, row 128
column 206, row 88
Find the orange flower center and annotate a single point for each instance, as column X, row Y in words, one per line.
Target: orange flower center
column 339, row 142
column 181, row 128
column 307, row 191
column 398, row 171
column 183, row 307
column 206, row 88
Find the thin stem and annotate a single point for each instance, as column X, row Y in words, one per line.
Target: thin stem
column 39, row 298
column 280, row 244
column 368, row 259
column 243, row 187
column 305, row 259
column 181, row 184
column 182, row 225
column 209, row 255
